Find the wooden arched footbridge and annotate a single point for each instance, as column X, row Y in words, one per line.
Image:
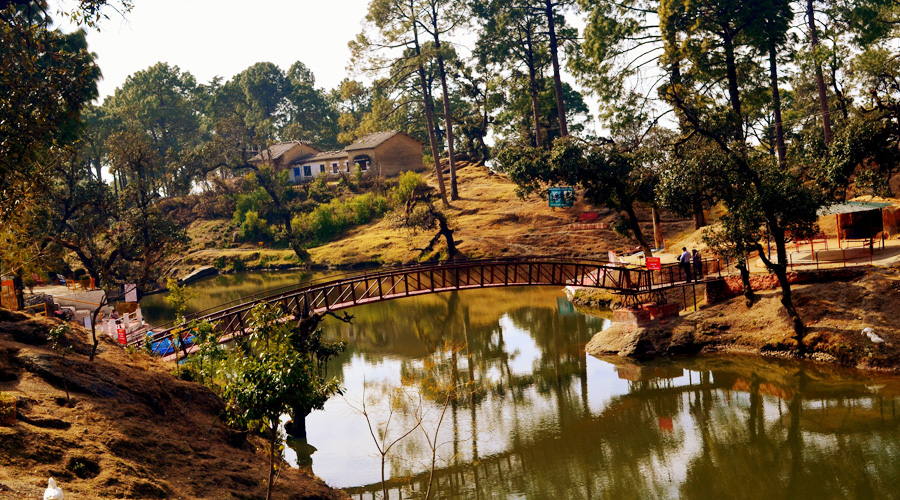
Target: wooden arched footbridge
column 637, row 284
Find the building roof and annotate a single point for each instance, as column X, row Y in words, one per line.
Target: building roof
column 376, row 139
column 327, row 155
column 850, row 207
column 276, row 151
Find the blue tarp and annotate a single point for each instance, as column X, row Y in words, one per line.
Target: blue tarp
column 164, row 346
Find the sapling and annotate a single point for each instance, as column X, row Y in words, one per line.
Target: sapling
column 57, row 336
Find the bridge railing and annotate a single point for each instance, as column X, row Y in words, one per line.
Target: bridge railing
column 333, row 294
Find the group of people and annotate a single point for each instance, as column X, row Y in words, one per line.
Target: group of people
column 686, row 259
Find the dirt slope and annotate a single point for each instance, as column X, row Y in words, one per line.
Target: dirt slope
column 132, row 430
column 835, row 314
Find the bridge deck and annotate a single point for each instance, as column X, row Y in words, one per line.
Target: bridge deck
column 367, row 288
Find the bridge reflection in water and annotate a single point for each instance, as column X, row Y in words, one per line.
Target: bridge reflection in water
column 546, row 421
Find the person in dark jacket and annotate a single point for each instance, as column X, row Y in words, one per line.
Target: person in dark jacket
column 698, row 264
column 684, row 261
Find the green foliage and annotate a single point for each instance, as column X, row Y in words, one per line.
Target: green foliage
column 237, row 265
column 408, row 183
column 253, row 228
column 53, row 76
column 254, row 201
column 57, row 337
column 283, row 373
column 329, row 220
column 219, row 262
column 178, row 297
column 318, row 189
column 209, row 360
column 611, row 174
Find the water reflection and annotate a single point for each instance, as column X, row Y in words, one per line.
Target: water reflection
column 542, row 420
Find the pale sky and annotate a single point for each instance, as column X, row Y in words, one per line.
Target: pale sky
column 224, row 37
column 209, row 38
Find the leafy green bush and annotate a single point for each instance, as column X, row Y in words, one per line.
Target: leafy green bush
column 253, row 228
column 318, row 189
column 253, row 201
column 407, row 183
column 328, row 220
column 219, row 263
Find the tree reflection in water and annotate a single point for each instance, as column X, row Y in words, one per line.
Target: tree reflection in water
column 542, row 420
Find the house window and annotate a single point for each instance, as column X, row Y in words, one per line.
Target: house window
column 321, row 169
column 334, row 168
column 347, row 164
column 296, row 172
column 362, row 162
column 307, row 170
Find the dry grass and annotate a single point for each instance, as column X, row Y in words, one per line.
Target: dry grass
column 131, row 431
column 490, row 220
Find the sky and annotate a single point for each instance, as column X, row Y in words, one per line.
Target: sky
column 211, row 38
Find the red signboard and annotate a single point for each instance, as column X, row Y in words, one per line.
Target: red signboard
column 654, row 264
column 123, row 338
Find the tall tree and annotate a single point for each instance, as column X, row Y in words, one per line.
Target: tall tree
column 53, row 76
column 510, row 38
column 396, row 26
column 551, row 9
column 820, row 78
column 755, row 190
column 442, row 17
column 160, row 103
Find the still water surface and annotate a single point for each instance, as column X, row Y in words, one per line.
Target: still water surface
column 537, row 418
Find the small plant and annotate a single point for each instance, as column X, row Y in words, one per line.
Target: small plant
column 7, row 409
column 57, row 336
column 237, row 265
column 219, row 263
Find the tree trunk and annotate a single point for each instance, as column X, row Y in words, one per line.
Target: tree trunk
column 447, row 233
column 429, row 123
column 745, row 281
column 776, row 105
column 780, row 270
column 297, row 427
column 657, row 228
column 820, row 78
column 733, row 91
column 557, row 80
column 273, row 439
column 454, row 192
column 636, row 229
column 533, row 89
column 699, row 216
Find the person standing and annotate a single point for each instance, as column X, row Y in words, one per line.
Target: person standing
column 698, row 264
column 684, row 261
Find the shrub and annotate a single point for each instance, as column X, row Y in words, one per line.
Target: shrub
column 407, row 183
column 330, row 219
column 253, row 201
column 253, row 228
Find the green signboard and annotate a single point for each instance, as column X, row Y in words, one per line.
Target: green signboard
column 562, row 196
